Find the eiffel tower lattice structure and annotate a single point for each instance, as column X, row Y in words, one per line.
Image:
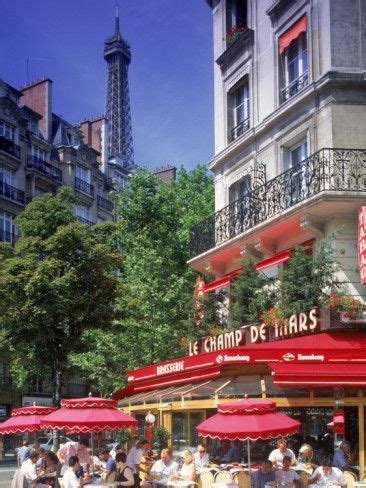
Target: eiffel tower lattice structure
column 117, row 54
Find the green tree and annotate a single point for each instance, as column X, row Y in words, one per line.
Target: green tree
column 252, row 293
column 57, row 282
column 309, row 277
column 153, row 234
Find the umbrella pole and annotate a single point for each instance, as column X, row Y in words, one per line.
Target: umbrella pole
column 248, row 449
column 92, row 449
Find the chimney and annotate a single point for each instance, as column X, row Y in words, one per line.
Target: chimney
column 166, row 173
column 37, row 95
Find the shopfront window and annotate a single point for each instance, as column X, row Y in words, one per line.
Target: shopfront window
column 184, row 434
column 241, row 386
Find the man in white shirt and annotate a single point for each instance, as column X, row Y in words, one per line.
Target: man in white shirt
column 28, row 469
column 286, row 476
column 327, row 474
column 134, row 459
column 70, row 479
column 201, row 457
column 278, row 454
column 165, row 466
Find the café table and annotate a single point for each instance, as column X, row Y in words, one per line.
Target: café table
column 224, row 485
column 93, row 484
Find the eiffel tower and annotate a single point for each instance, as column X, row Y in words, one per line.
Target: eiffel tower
column 117, row 54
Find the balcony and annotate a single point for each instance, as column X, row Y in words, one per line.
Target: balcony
column 328, row 170
column 238, row 130
column 105, row 204
column 9, row 147
column 47, row 169
column 83, row 220
column 12, row 193
column 6, row 236
column 294, row 87
column 84, row 187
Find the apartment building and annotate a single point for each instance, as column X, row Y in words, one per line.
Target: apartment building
column 290, row 118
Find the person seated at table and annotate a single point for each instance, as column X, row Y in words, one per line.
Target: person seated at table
column 110, row 465
column 96, row 461
column 165, row 467
column 201, row 457
column 28, row 469
column 277, row 455
column 326, row 474
column 41, row 455
column 305, row 460
column 234, row 453
column 70, row 480
column 124, row 474
column 52, row 467
column 264, row 475
column 188, row 470
column 79, row 449
column 286, row 476
column 342, row 458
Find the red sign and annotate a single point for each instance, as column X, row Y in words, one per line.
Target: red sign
column 362, row 244
column 198, row 297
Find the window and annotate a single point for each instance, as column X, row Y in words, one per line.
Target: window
column 236, row 19
column 240, row 189
column 38, row 192
column 39, row 153
column 82, row 211
column 294, row 59
column 121, row 180
column 82, row 173
column 238, row 111
column 6, row 227
column 6, row 131
column 6, row 176
column 299, row 175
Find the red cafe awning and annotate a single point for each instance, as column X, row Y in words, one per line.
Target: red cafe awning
column 320, row 375
column 328, row 352
column 277, row 258
column 291, row 34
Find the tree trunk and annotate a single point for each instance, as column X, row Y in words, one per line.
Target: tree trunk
column 57, row 375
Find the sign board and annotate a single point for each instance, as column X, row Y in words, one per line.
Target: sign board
column 298, row 324
column 362, row 244
column 27, row 401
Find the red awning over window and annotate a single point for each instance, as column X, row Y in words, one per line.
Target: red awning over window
column 320, row 374
column 278, row 258
column 291, row 34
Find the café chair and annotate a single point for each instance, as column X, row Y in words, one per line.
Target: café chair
column 205, row 480
column 223, row 477
column 304, row 479
column 350, row 478
column 110, row 478
column 242, row 479
column 60, row 483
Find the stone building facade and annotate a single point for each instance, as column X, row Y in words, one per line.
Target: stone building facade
column 290, row 118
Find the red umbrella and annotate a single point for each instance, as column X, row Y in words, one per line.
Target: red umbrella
column 248, row 420
column 25, row 419
column 90, row 414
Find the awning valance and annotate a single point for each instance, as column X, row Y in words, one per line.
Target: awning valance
column 291, row 34
column 320, row 375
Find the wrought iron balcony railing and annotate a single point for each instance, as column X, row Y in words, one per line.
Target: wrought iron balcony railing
column 44, row 167
column 105, row 204
column 12, row 193
column 294, row 87
column 83, row 220
column 9, row 147
column 6, row 236
column 239, row 129
column 84, row 186
column 328, row 170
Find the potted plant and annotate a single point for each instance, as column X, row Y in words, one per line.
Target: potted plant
column 160, row 437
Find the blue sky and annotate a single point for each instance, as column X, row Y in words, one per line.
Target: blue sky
column 171, row 80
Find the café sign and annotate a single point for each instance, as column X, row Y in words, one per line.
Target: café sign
column 362, row 244
column 298, row 324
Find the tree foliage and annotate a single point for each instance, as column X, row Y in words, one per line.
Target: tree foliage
column 57, row 282
column 153, row 235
